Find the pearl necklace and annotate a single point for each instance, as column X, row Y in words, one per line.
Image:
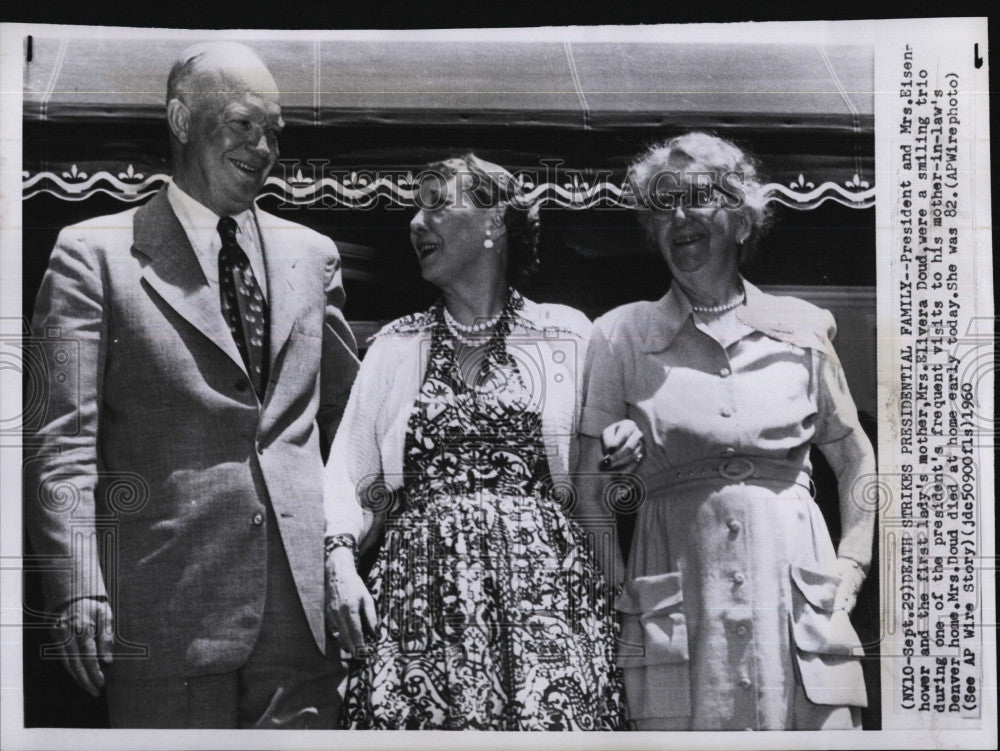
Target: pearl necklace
column 458, row 337
column 720, row 308
column 473, row 328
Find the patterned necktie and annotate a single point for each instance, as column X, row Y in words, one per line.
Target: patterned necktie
column 243, row 305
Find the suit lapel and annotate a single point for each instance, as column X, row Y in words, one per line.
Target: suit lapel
column 170, row 267
column 280, row 258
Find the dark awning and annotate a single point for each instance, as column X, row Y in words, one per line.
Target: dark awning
column 572, row 84
column 364, row 101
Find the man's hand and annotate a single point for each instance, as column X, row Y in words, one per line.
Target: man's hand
column 350, row 609
column 622, row 443
column 851, row 579
column 86, row 629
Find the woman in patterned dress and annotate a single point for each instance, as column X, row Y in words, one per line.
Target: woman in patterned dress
column 735, row 605
column 486, row 609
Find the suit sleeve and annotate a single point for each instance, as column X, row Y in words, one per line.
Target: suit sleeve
column 65, row 362
column 339, row 364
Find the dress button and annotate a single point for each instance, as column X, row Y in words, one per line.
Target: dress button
column 725, row 372
column 242, row 384
column 738, row 578
column 741, row 631
column 258, row 518
column 734, row 526
column 744, row 683
column 726, row 412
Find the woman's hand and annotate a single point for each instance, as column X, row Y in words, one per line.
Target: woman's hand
column 350, row 609
column 623, row 445
column 853, row 461
column 851, row 578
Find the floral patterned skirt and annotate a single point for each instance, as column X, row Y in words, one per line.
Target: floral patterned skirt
column 492, row 616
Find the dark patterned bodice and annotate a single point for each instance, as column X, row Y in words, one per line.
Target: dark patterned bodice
column 464, row 437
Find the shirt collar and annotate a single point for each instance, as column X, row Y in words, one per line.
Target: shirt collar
column 761, row 314
column 669, row 314
column 200, row 223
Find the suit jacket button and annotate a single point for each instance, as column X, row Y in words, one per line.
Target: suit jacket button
column 258, row 518
column 260, row 447
column 242, row 384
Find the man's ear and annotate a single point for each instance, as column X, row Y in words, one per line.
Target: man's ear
column 179, row 119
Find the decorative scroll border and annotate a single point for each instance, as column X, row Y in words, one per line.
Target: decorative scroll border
column 360, row 192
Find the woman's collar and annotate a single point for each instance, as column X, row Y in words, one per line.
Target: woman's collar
column 668, row 315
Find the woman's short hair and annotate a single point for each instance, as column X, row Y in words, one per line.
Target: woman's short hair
column 491, row 185
column 737, row 170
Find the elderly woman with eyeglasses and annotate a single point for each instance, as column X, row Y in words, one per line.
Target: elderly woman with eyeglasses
column 486, row 609
column 735, row 603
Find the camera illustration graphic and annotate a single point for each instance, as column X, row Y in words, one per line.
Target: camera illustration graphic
column 44, row 360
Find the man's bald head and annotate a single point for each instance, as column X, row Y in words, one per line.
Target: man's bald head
column 224, row 119
column 218, row 68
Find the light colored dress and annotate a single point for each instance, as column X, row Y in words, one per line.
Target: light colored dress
column 728, row 604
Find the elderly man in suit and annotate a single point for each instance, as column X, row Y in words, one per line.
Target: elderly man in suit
column 175, row 488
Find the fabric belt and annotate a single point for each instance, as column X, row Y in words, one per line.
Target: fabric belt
column 729, row 469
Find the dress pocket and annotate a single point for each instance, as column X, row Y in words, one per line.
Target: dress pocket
column 654, row 654
column 826, row 645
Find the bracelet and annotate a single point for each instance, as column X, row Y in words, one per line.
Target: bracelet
column 340, row 541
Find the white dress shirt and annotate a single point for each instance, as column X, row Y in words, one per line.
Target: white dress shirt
column 201, row 225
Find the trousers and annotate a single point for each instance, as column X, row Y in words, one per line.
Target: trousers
column 286, row 682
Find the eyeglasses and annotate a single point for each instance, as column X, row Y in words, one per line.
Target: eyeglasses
column 708, row 196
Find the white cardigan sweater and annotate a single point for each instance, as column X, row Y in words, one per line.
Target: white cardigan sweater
column 366, row 459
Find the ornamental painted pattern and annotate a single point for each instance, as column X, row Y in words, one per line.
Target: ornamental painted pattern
column 575, row 191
